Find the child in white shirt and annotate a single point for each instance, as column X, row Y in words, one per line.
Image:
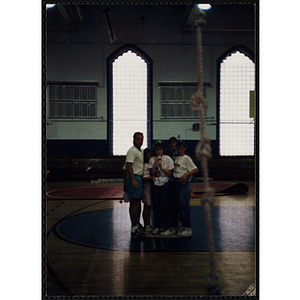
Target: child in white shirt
column 184, row 170
column 161, row 165
column 148, row 182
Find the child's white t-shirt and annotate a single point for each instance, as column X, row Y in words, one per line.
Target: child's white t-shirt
column 183, row 164
column 167, row 163
column 146, row 170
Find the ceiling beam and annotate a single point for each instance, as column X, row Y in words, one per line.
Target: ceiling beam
column 80, row 14
column 110, row 29
column 64, row 14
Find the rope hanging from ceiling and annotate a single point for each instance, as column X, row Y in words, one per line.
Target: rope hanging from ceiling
column 214, row 281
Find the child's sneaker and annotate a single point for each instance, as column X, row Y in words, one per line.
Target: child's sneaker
column 168, row 232
column 155, row 231
column 186, row 232
column 179, row 228
column 141, row 227
column 148, row 228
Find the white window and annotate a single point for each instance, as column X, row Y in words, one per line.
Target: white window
column 129, row 97
column 237, row 79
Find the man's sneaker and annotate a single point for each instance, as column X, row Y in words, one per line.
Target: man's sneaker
column 168, row 232
column 141, row 227
column 186, row 232
column 155, row 231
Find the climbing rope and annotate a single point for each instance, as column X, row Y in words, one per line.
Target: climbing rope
column 214, row 282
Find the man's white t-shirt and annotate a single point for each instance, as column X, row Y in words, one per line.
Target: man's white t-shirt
column 136, row 157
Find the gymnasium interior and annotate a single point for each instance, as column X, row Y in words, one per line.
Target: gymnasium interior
column 110, row 71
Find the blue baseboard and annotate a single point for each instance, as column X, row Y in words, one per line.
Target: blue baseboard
column 77, row 147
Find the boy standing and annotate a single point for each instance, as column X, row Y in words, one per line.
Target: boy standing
column 183, row 172
column 173, row 146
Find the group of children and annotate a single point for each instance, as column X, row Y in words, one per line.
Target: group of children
column 166, row 190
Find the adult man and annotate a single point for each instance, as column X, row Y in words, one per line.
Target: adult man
column 134, row 181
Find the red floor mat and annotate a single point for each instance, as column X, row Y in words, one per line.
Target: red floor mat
column 220, row 188
column 116, row 192
column 85, row 193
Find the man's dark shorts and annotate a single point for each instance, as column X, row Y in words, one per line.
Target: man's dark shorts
column 132, row 192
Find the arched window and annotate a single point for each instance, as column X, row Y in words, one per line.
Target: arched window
column 236, row 125
column 129, row 98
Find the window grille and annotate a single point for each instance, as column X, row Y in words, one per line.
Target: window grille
column 72, row 101
column 175, row 100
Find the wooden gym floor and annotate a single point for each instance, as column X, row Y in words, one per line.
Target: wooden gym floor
column 112, row 263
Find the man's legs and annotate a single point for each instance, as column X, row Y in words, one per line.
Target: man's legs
column 135, row 203
column 134, row 210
